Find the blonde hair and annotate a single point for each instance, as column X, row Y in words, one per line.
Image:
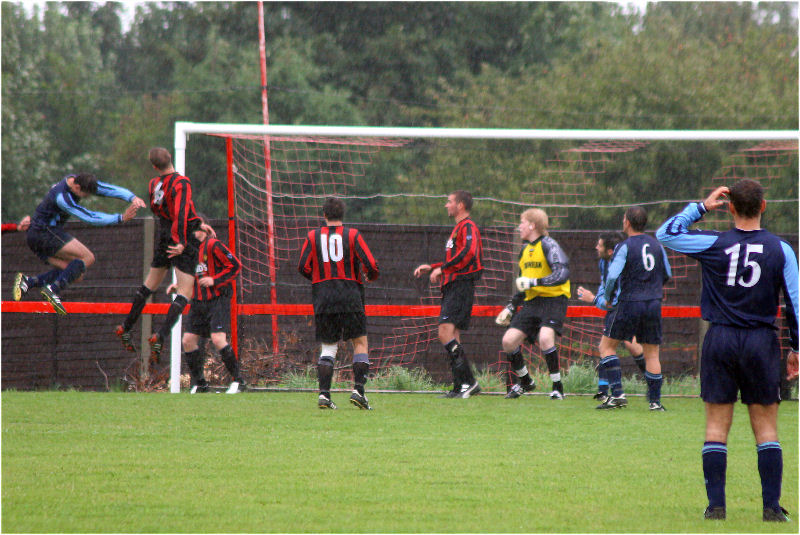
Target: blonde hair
column 538, row 217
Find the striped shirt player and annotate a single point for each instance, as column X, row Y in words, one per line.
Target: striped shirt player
column 638, row 269
column 334, row 257
column 744, row 271
column 175, row 246
column 537, row 311
column 53, row 245
column 457, row 274
column 210, row 313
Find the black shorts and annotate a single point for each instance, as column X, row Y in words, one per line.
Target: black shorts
column 738, row 359
column 641, row 319
column 186, row 261
column 540, row 312
column 211, row 316
column 335, row 326
column 457, row 299
column 46, row 242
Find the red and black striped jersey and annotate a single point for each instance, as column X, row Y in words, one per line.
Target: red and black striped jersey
column 463, row 253
column 333, row 258
column 171, row 201
column 218, row 262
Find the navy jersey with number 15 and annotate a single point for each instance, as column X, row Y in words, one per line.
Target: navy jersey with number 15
column 744, row 271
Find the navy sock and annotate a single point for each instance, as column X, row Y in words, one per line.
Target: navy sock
column 231, row 362
column 613, row 373
column 68, row 275
column 602, row 380
column 173, row 313
column 715, row 462
column 43, row 279
column 325, row 377
column 654, row 381
column 139, row 301
column 770, row 468
column 639, row 360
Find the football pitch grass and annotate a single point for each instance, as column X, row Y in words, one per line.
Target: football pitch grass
column 273, row 462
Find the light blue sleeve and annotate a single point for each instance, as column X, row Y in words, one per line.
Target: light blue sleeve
column 675, row 234
column 99, row 219
column 790, row 292
column 599, row 297
column 614, row 271
column 667, row 267
column 104, row 189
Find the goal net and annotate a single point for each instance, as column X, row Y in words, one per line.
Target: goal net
column 395, row 182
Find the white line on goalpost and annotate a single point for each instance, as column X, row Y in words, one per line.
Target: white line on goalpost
column 184, row 129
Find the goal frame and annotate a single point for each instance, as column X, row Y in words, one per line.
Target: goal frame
column 184, row 129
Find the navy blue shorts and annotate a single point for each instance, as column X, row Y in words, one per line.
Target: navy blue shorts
column 540, row 312
column 457, row 299
column 45, row 243
column 335, row 326
column 211, row 316
column 641, row 319
column 738, row 359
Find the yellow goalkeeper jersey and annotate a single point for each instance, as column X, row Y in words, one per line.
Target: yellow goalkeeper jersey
column 537, row 260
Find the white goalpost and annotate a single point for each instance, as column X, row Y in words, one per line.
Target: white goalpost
column 254, row 131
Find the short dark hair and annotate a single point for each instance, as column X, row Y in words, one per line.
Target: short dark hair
column 333, row 209
column 160, row 158
column 611, row 239
column 746, row 196
column 463, row 197
column 87, row 182
column 637, row 217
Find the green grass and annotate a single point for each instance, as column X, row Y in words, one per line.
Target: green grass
column 272, row 462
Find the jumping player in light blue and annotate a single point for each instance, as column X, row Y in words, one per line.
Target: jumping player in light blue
column 745, row 269
column 48, row 239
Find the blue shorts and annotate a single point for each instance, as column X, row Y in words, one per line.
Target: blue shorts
column 46, row 242
column 641, row 319
column 739, row 359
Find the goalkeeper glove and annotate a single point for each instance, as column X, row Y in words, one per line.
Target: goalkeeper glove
column 504, row 318
column 524, row 283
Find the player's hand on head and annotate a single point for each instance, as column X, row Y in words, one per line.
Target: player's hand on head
column 208, row 229
column 139, row 203
column 716, row 198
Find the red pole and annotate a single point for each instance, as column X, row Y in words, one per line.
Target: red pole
column 232, row 243
column 273, row 293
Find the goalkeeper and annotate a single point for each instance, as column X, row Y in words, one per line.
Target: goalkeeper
column 543, row 292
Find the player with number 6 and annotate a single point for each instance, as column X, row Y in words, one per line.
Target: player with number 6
column 640, row 268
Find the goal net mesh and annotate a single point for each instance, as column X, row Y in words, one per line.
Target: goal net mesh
column 584, row 188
